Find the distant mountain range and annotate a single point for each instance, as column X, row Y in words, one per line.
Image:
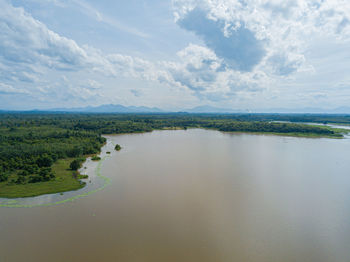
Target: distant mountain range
column 109, row 109
column 211, row 109
column 142, row 109
column 199, row 109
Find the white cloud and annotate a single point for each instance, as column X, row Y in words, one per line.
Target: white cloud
column 68, row 91
column 206, row 75
column 28, row 49
column 8, row 89
column 26, row 40
column 283, row 27
column 33, row 50
column 250, row 45
column 111, row 21
column 92, row 84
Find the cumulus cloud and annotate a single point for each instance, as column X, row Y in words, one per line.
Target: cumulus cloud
column 238, row 47
column 247, row 46
column 269, row 33
column 29, row 52
column 67, row 90
column 24, row 40
column 212, row 72
column 203, row 72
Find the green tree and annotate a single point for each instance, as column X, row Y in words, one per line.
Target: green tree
column 75, row 164
column 21, row 180
column 76, row 151
column 44, row 161
column 3, row 177
column 46, row 174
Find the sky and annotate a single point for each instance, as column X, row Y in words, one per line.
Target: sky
column 238, row 54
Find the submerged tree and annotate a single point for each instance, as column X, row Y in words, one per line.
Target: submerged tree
column 117, row 147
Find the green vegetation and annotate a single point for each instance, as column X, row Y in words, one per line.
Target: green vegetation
column 96, row 158
column 64, row 181
column 79, row 176
column 280, row 128
column 41, row 153
column 76, row 164
column 30, row 151
column 117, row 147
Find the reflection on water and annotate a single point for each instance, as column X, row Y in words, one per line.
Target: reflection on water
column 199, row 195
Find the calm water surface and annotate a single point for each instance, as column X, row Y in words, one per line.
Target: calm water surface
column 198, row 195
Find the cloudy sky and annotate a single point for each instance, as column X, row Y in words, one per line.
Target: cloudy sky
column 243, row 54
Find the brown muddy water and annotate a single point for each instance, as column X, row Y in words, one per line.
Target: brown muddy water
column 198, row 195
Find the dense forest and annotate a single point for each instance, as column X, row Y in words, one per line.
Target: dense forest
column 31, row 143
column 32, row 148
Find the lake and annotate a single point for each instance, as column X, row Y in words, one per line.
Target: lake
column 198, row 195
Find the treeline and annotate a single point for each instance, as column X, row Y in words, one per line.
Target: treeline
column 268, row 127
column 31, row 143
column 126, row 123
column 29, row 149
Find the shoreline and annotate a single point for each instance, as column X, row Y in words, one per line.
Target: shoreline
column 94, row 183
column 90, row 167
column 298, row 135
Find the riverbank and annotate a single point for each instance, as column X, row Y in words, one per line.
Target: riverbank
column 252, row 183
column 338, row 132
column 64, row 181
column 66, row 188
column 301, row 135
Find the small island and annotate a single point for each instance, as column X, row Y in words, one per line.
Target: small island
column 117, row 147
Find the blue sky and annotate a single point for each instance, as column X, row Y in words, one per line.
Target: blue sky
column 242, row 54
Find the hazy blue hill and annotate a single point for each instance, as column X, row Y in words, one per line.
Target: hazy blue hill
column 111, row 109
column 205, row 109
column 211, row 109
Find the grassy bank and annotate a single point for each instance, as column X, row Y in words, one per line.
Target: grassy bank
column 63, row 182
